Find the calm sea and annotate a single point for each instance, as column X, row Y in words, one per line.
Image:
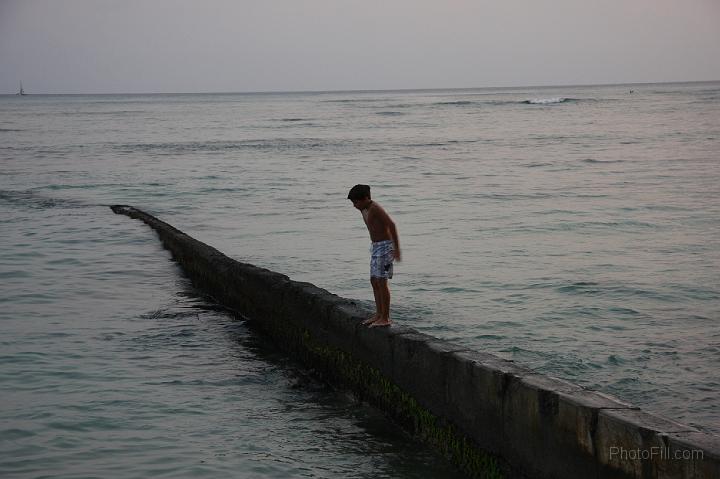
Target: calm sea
column 575, row 230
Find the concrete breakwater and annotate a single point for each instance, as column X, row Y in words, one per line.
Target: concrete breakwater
column 492, row 417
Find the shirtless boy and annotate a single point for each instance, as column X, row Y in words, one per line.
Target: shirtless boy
column 385, row 248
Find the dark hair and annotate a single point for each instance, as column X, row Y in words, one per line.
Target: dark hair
column 358, row 192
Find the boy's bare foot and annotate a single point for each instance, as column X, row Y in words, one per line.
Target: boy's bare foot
column 380, row 323
column 370, row 320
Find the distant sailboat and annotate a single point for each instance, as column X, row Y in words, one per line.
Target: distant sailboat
column 21, row 92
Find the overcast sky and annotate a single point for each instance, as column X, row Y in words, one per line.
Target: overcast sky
column 95, row 46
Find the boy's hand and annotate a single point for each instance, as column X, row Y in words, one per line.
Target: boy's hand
column 397, row 255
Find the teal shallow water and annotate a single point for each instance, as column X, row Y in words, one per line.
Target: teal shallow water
column 112, row 366
column 578, row 237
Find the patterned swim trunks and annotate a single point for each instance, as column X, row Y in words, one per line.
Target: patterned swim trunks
column 381, row 259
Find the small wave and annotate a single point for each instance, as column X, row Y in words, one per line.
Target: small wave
column 16, row 434
column 223, row 190
column 594, row 161
column 580, row 287
column 389, row 113
column 103, row 113
column 624, row 311
column 293, row 119
column 355, row 100
column 30, row 199
column 453, row 289
column 219, row 146
column 615, row 360
column 8, row 130
column 708, row 99
column 403, row 105
column 438, row 143
column 167, row 314
column 548, row 101
column 613, row 291
column 414, row 145
column 537, row 165
column 490, row 336
column 514, row 196
column 455, row 103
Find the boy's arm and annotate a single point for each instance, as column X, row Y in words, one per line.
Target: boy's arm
column 390, row 225
column 395, row 238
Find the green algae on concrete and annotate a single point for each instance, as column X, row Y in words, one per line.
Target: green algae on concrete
column 370, row 384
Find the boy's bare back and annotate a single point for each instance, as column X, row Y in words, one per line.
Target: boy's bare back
column 380, row 226
column 377, row 222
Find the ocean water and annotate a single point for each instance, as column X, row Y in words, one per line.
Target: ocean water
column 575, row 230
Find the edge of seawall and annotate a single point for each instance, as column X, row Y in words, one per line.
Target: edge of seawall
column 490, row 416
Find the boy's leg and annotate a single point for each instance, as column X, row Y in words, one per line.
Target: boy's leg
column 378, row 303
column 384, row 303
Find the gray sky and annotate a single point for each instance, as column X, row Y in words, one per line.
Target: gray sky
column 96, row 46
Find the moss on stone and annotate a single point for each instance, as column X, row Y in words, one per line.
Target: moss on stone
column 366, row 382
column 370, row 384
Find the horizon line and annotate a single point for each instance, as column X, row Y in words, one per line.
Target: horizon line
column 379, row 90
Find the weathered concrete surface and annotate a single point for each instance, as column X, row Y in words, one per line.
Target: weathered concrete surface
column 491, row 416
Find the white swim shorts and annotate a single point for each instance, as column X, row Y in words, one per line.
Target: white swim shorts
column 381, row 259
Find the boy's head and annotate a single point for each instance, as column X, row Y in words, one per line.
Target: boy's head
column 360, row 196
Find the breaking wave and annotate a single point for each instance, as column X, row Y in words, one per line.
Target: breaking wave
column 533, row 101
column 549, row 101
